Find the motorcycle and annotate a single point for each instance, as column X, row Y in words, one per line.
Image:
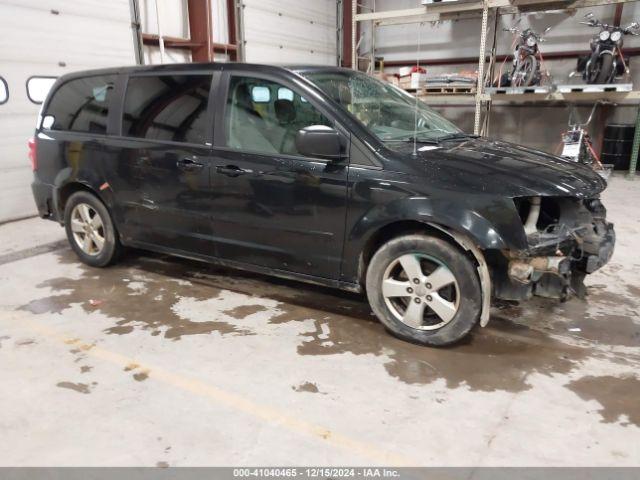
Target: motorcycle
column 527, row 59
column 606, row 61
column 578, row 147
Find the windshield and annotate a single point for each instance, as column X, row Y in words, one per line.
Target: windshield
column 389, row 112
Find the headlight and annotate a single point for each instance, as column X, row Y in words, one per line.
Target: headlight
column 531, row 41
column 604, row 35
column 616, row 36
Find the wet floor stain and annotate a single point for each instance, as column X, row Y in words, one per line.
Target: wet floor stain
column 141, row 375
column 306, row 387
column 85, row 369
column 2, row 338
column 244, row 311
column 25, row 342
column 496, row 359
column 499, row 357
column 162, row 465
column 617, row 395
column 151, row 303
column 77, row 387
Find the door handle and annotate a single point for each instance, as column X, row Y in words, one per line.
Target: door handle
column 189, row 164
column 230, row 170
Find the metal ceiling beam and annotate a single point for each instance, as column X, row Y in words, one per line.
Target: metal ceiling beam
column 185, row 43
column 446, row 11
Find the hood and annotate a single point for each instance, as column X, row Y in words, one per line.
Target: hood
column 490, row 166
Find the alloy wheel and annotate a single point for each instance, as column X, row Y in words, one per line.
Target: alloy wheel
column 420, row 291
column 88, row 229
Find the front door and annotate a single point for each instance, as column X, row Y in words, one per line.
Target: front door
column 164, row 164
column 272, row 206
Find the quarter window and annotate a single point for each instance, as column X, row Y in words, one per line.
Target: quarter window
column 4, row 91
column 38, row 88
column 167, row 107
column 270, row 126
column 81, row 105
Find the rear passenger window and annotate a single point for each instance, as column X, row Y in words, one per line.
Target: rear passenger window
column 82, row 105
column 4, row 91
column 167, row 107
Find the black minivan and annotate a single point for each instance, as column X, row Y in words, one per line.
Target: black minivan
column 321, row 174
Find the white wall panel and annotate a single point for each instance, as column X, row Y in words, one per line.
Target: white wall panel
column 290, row 31
column 174, row 20
column 50, row 39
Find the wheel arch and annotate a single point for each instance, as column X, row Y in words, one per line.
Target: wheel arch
column 64, row 192
column 459, row 240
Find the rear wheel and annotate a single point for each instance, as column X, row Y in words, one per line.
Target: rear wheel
column 424, row 290
column 90, row 230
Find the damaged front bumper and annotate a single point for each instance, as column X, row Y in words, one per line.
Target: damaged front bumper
column 558, row 258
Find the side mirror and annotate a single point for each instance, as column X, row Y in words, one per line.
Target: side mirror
column 319, row 141
column 547, row 30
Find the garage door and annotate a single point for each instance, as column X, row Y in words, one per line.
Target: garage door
column 290, row 31
column 49, row 39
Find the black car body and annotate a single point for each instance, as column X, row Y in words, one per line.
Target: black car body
column 319, row 205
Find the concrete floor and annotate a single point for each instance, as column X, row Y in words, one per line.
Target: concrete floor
column 162, row 361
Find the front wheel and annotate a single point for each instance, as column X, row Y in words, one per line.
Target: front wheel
column 603, row 71
column 424, row 290
column 526, row 73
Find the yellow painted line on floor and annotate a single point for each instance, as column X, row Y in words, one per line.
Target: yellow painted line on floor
column 222, row 397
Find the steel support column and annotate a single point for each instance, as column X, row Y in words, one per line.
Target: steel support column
column 347, row 29
column 354, row 34
column 481, row 62
column 201, row 30
column 232, row 28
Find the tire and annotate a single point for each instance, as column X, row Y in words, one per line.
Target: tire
column 387, row 287
column 95, row 240
column 602, row 71
column 526, row 74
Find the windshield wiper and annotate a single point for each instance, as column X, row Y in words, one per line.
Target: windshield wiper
column 453, row 136
column 413, row 138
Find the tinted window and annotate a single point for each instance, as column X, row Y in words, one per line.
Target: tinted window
column 38, row 88
column 4, row 91
column 82, row 105
column 266, row 126
column 167, row 107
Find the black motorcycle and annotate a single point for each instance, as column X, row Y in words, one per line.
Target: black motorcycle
column 527, row 59
column 606, row 61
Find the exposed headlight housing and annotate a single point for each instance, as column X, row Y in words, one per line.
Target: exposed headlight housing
column 531, row 41
column 616, row 36
column 604, row 35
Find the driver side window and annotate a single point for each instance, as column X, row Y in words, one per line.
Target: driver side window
column 264, row 116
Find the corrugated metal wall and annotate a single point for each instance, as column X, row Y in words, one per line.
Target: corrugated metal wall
column 275, row 31
column 290, row 31
column 49, row 38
